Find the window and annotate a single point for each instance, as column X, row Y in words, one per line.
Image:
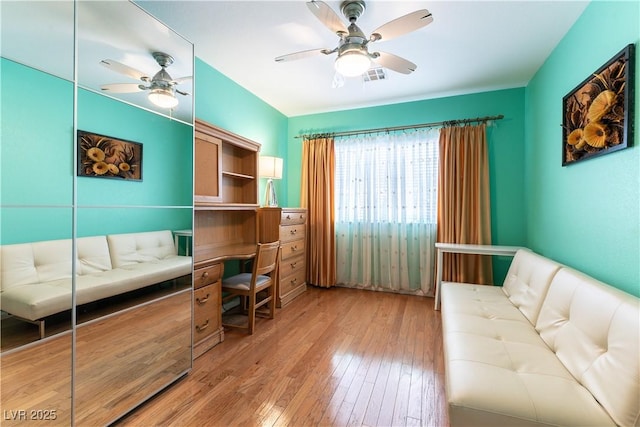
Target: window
column 386, row 196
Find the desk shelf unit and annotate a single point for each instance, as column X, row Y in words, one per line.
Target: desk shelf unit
column 225, row 215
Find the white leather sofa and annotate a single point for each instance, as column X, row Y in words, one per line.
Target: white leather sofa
column 36, row 278
column 551, row 347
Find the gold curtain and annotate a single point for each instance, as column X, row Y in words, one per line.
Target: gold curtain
column 464, row 211
column 318, row 178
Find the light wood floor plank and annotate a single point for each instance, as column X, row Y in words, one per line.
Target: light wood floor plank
column 338, row 357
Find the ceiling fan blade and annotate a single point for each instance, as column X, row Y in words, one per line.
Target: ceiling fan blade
column 403, row 25
column 182, row 80
column 327, row 16
column 303, row 54
column 395, row 63
column 122, row 87
column 121, row 68
column 182, row 92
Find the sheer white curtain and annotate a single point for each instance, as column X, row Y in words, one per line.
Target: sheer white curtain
column 386, row 195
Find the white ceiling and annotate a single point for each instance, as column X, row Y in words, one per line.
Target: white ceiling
column 472, row 46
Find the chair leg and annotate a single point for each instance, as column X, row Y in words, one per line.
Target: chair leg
column 252, row 313
column 272, row 303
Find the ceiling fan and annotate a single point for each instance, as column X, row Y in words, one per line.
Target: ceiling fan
column 353, row 54
column 161, row 87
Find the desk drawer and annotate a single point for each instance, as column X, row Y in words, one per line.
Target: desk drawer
column 207, row 275
column 291, row 232
column 291, row 249
column 291, row 266
column 289, row 217
column 206, row 303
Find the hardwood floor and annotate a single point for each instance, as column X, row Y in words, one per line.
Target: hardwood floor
column 338, row 356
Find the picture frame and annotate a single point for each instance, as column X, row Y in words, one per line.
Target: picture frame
column 598, row 114
column 102, row 156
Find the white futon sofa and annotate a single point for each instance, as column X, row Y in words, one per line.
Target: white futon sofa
column 551, row 347
column 35, row 280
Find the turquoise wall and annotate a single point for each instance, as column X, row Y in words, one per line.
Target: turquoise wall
column 222, row 102
column 36, row 155
column 586, row 215
column 506, row 149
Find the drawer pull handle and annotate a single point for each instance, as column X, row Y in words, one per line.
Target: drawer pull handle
column 203, row 327
column 203, row 300
column 294, row 281
column 288, row 216
column 294, row 231
column 294, row 248
column 293, row 264
column 205, row 274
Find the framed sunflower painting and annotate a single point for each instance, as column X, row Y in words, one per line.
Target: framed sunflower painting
column 598, row 114
column 106, row 157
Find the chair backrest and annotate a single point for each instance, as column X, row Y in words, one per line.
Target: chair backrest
column 266, row 258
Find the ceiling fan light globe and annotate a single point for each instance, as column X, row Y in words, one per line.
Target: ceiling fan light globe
column 352, row 63
column 163, row 98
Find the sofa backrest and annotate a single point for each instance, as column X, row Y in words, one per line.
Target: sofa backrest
column 528, row 280
column 93, row 255
column 38, row 262
column 134, row 248
column 28, row 263
column 594, row 329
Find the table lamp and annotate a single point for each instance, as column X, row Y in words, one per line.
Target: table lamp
column 270, row 168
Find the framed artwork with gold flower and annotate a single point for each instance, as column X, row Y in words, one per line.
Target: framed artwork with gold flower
column 598, row 113
column 106, row 157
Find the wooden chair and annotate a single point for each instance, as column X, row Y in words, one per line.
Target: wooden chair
column 255, row 289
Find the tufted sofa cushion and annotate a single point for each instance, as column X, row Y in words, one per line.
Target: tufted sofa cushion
column 528, row 280
column 135, row 248
column 594, row 330
column 29, row 263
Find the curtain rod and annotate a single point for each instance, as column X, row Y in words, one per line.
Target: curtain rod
column 418, row 126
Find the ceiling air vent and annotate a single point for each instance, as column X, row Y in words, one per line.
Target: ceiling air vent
column 374, row 74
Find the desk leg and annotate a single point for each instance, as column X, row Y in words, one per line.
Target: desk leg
column 438, row 277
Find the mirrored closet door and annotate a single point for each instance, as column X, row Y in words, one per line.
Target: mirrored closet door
column 96, row 301
column 36, row 204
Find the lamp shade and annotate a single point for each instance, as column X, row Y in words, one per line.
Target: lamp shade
column 352, row 63
column 162, row 97
column 270, row 167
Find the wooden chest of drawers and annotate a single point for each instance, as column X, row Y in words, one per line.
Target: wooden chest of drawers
column 289, row 225
column 207, row 309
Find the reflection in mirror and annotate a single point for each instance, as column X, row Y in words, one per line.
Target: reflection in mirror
column 36, row 197
column 36, row 383
column 128, row 257
column 112, row 352
column 134, row 66
column 134, row 307
column 37, row 135
column 35, row 323
column 166, row 155
column 134, row 290
column 40, row 34
column 47, row 213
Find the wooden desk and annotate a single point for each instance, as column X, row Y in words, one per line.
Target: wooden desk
column 459, row 248
column 208, row 272
column 212, row 254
